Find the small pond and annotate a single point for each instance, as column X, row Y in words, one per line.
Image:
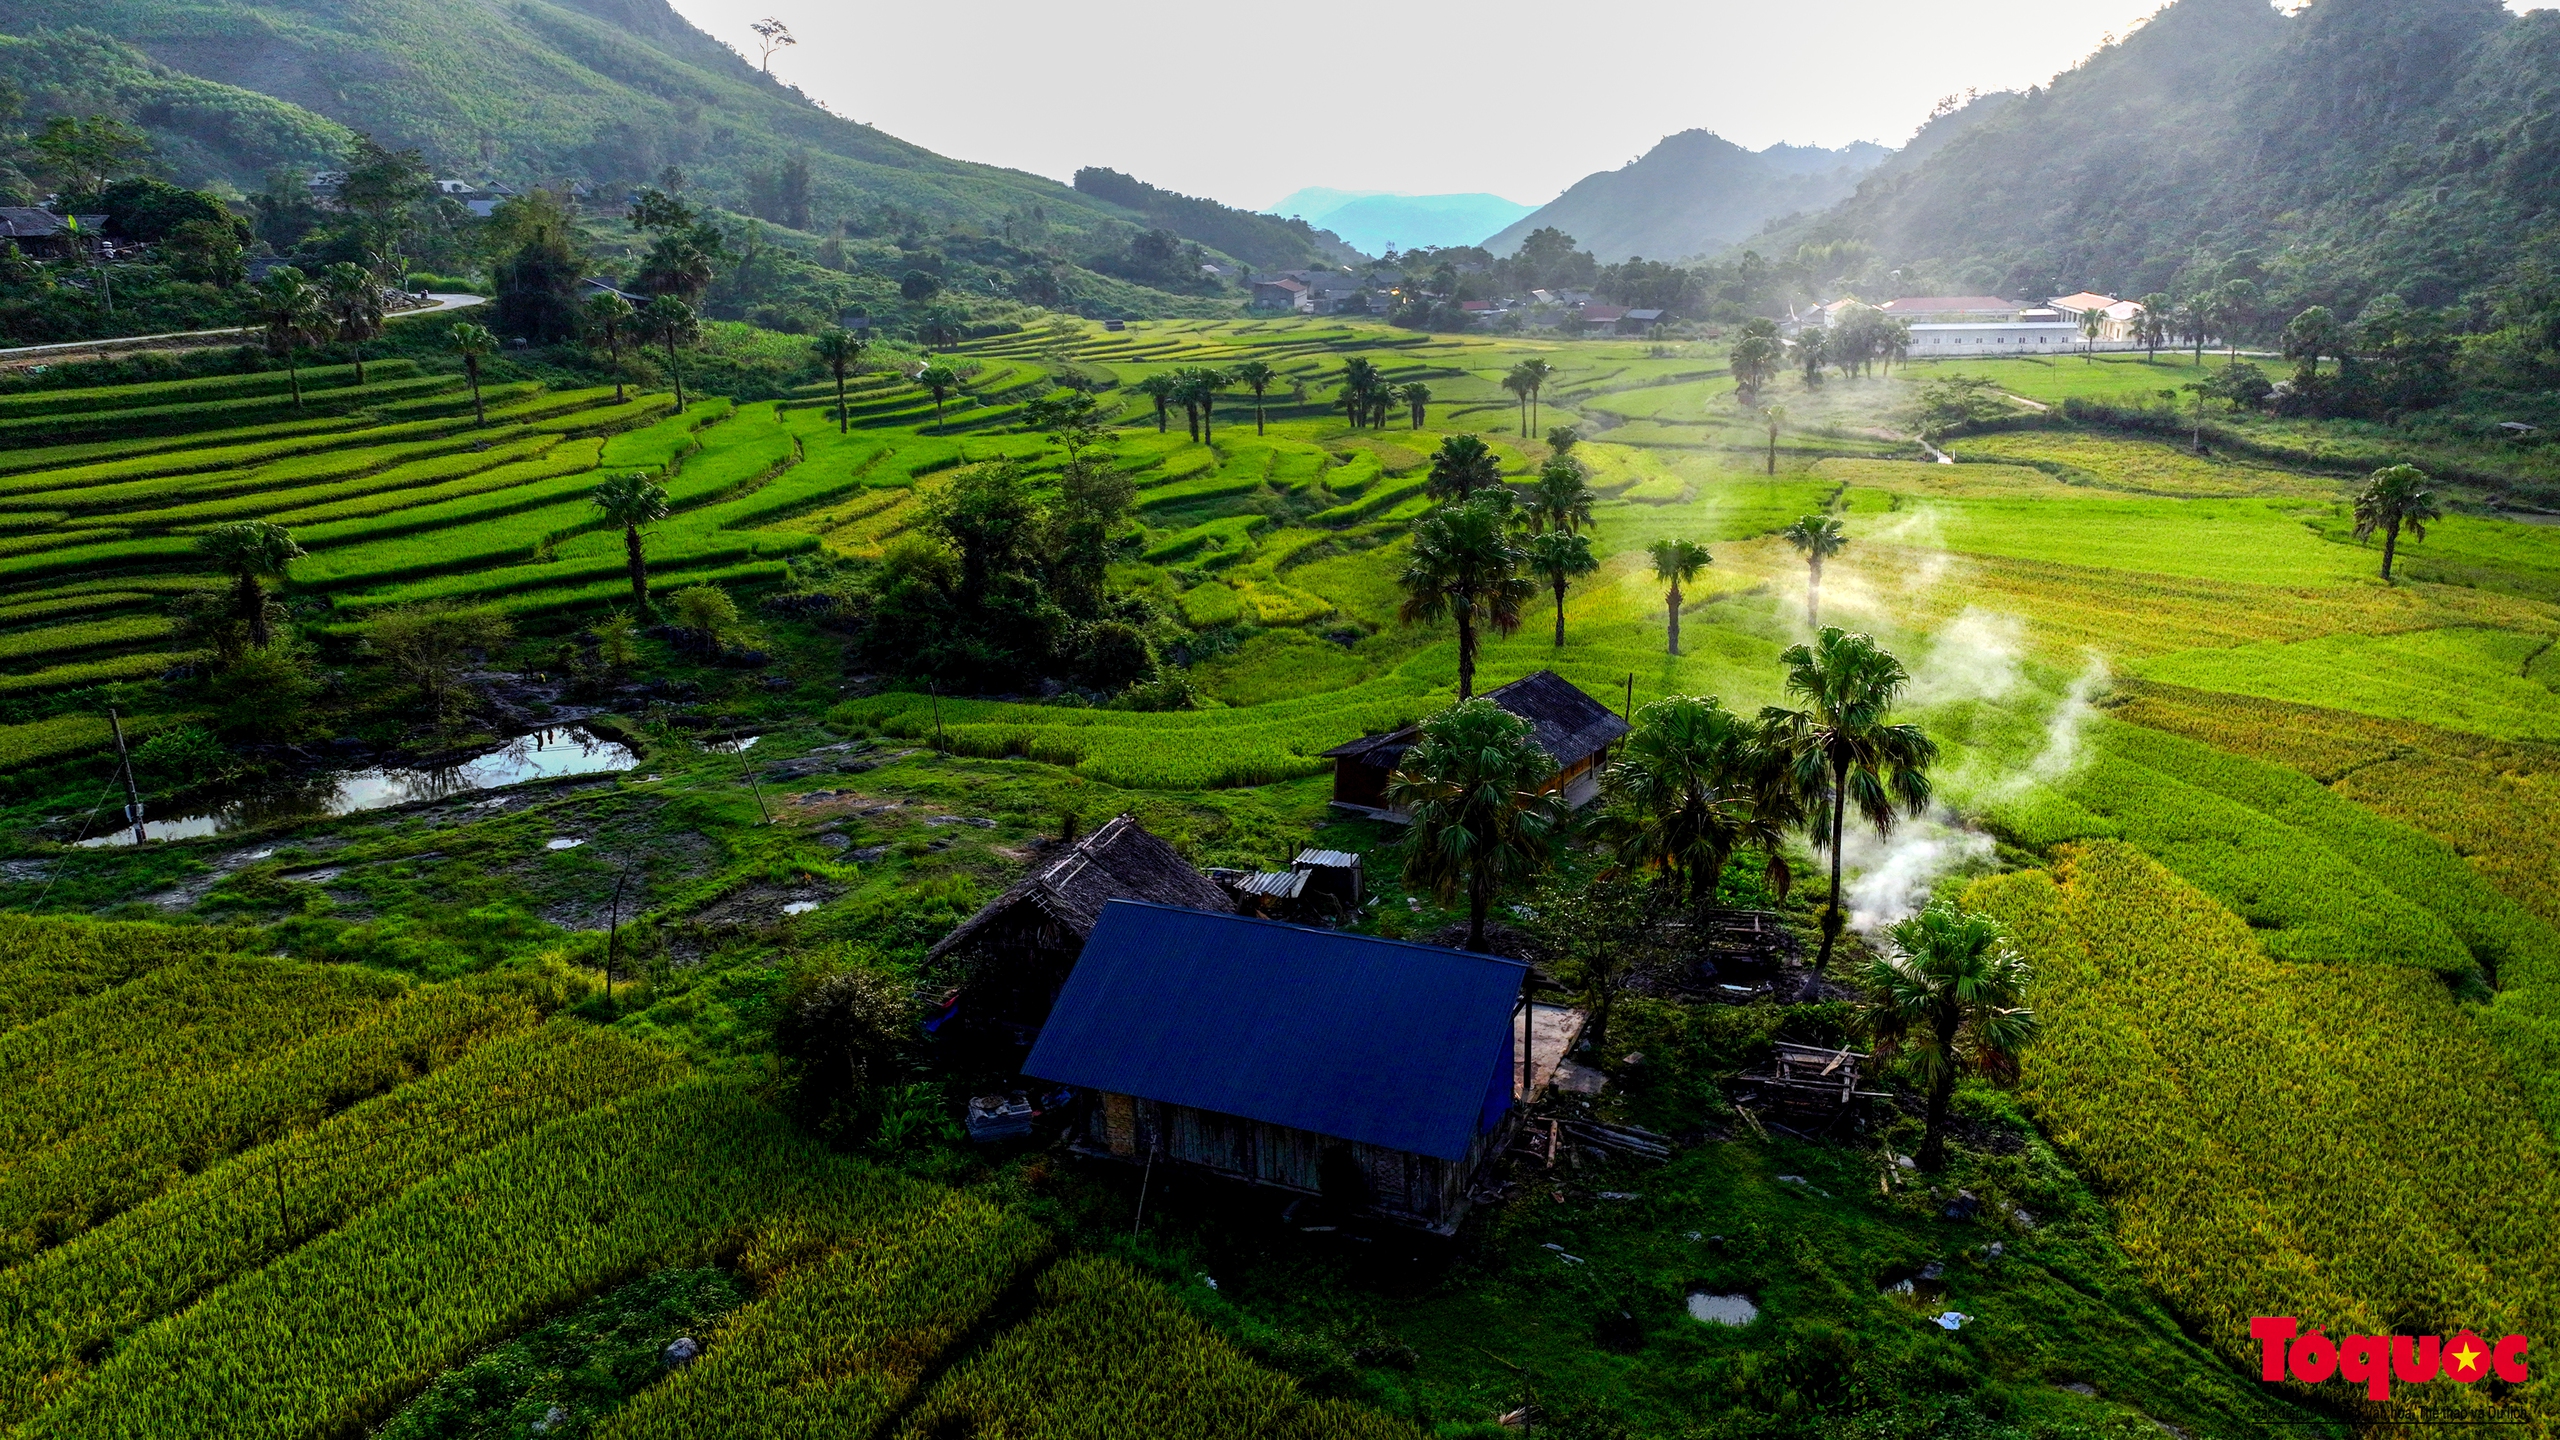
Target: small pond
column 542, row 755
column 1715, row 1309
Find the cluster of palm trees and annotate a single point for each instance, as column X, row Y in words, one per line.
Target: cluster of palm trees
column 1483, row 551
column 1369, row 399
column 1525, row 381
column 1694, row 786
column 295, row 313
column 1197, row 388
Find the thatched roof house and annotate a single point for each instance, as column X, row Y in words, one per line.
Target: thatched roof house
column 1018, row 950
column 1567, row 723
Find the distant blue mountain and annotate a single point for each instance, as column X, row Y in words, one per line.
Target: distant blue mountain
column 1373, row 220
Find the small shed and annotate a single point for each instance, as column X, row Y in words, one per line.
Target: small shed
column 1567, row 723
column 1373, row 1073
column 1018, row 949
column 1334, row 875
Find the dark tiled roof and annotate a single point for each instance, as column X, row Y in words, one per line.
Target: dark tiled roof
column 1567, row 723
column 1407, row 1047
column 1118, row 861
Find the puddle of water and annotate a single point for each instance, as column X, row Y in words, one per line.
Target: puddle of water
column 799, row 907
column 543, row 755
column 1722, row 1309
column 563, row 843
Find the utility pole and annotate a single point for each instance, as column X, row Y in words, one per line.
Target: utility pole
column 124, row 766
column 613, row 936
column 935, row 690
column 739, row 744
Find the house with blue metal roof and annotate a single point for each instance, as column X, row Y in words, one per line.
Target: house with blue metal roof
column 1375, row 1073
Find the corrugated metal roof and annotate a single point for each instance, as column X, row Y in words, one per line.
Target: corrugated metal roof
column 1328, row 859
column 1389, row 1044
column 1278, row 884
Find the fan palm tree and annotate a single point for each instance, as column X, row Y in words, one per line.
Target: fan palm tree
column 251, row 551
column 609, row 317
column 2093, row 323
column 1841, row 749
column 840, row 350
column 1202, row 386
column 474, row 344
column 1159, row 387
column 1520, row 384
column 1693, row 783
column 1538, row 372
column 1360, row 381
column 1464, row 567
column 632, row 500
column 2195, row 319
column 1675, row 563
column 2395, row 499
column 1774, row 416
column 2155, row 324
column 1949, row 993
column 291, row 314
column 1416, row 397
column 1810, row 352
column 1462, row 466
column 1474, row 784
column 355, row 302
column 1817, row 538
column 1560, row 557
column 672, row 322
column 1256, row 377
column 1562, row 498
column 940, row 382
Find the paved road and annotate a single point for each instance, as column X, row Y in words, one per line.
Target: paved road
column 144, row 342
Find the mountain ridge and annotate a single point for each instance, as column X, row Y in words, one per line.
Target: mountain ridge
column 1693, row 193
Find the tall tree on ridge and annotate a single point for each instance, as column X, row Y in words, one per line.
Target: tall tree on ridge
column 1949, row 992
column 941, row 382
column 840, row 350
column 1675, row 563
column 291, row 314
column 1562, row 498
column 1463, row 566
column 672, row 321
column 1842, row 749
column 607, row 317
column 1817, row 538
column 630, row 501
column 1538, row 373
column 1159, row 387
column 1461, row 467
column 1560, row 557
column 1416, row 396
column 1481, row 817
column 2396, row 498
column 355, row 302
column 1518, row 383
column 251, row 551
column 2155, row 324
column 1256, row 376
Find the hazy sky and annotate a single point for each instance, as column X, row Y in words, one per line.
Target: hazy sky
column 1246, row 103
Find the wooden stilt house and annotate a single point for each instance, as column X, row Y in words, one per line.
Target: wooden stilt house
column 1373, row 1073
column 1569, row 725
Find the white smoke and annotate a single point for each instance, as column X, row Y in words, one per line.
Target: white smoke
column 1887, row 879
column 2065, row 732
column 1973, row 657
column 1873, row 587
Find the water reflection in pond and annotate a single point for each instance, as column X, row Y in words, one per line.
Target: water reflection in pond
column 543, row 755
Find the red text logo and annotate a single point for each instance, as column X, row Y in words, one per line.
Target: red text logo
column 2374, row 1361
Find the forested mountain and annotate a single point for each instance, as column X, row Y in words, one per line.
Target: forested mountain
column 2355, row 149
column 1695, row 192
column 532, row 91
